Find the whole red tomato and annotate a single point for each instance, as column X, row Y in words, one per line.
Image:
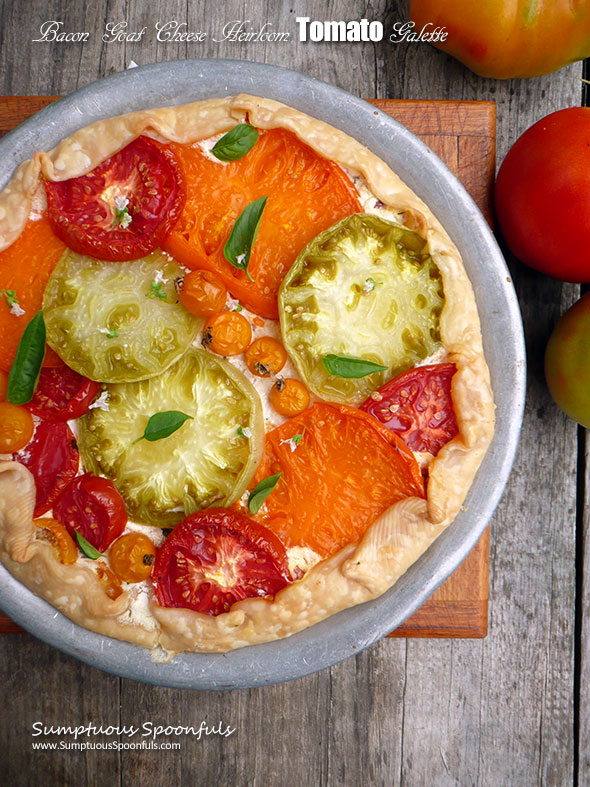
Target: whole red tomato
column 567, row 362
column 543, row 195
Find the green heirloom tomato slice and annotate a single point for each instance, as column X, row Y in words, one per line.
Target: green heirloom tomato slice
column 367, row 289
column 117, row 321
column 208, row 461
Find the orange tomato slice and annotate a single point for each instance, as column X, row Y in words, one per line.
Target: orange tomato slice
column 25, row 267
column 344, row 472
column 53, row 531
column 306, row 194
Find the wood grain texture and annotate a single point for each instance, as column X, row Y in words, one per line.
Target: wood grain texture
column 463, row 135
column 497, row 711
column 584, row 654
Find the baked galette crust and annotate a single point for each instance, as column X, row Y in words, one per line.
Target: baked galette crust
column 359, row 572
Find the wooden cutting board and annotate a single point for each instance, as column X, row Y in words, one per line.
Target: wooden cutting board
column 463, row 134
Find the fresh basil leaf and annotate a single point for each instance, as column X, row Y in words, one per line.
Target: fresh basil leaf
column 236, row 143
column 261, row 491
column 24, row 372
column 86, row 547
column 350, row 367
column 238, row 248
column 163, row 425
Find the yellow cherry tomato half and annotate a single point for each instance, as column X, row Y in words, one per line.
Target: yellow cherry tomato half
column 132, row 557
column 227, row 333
column 289, row 399
column 202, row 293
column 16, row 427
column 3, row 385
column 53, row 531
column 265, row 354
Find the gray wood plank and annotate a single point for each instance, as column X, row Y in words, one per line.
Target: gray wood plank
column 584, row 680
column 39, row 684
column 497, row 711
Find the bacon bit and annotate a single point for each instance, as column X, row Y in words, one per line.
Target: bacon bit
column 43, row 534
column 258, row 322
column 261, row 368
column 110, row 583
column 207, row 337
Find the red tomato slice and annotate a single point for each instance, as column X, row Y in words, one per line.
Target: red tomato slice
column 53, row 459
column 92, row 506
column 306, row 194
column 417, row 406
column 62, row 394
column 83, row 211
column 345, row 470
column 217, row 557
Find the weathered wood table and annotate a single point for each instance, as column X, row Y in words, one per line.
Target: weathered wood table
column 511, row 709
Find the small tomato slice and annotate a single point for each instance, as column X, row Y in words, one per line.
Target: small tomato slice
column 92, row 506
column 53, row 531
column 124, row 208
column 217, row 557
column 53, row 459
column 16, row 427
column 339, row 474
column 306, row 194
column 265, row 355
column 417, row 406
column 290, row 397
column 202, row 293
column 25, row 267
column 227, row 333
column 62, row 394
column 132, row 556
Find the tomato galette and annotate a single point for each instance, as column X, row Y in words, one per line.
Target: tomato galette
column 242, row 384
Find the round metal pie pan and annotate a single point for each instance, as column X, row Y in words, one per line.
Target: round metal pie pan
column 348, row 632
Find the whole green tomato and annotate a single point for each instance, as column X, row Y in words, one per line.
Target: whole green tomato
column 567, row 362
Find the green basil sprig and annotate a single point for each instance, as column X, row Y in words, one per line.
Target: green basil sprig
column 238, row 248
column 24, row 372
column 236, row 143
column 86, row 547
column 261, row 491
column 350, row 367
column 163, row 425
